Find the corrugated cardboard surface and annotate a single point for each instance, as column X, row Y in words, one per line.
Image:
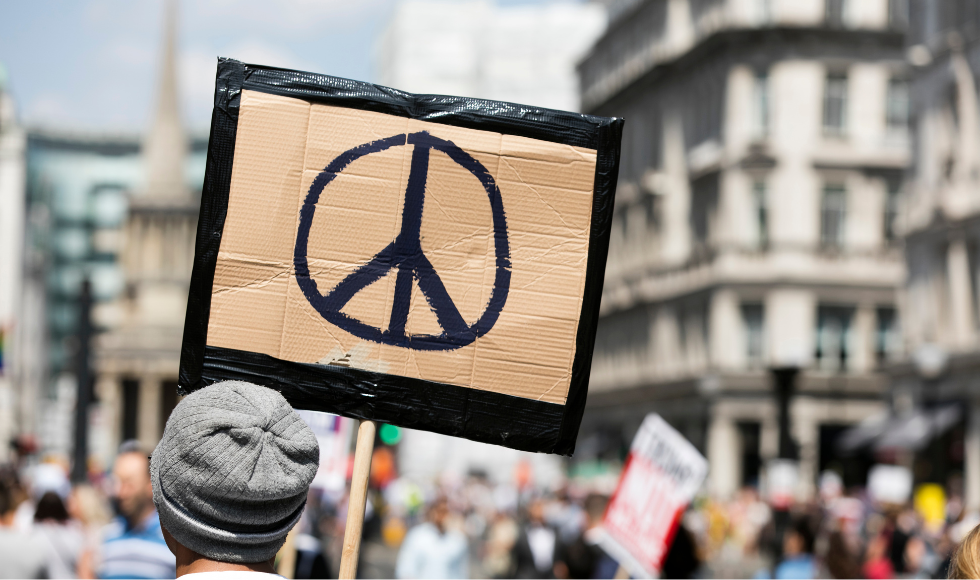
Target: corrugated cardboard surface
column 546, row 189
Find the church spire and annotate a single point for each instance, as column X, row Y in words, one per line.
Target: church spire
column 165, row 147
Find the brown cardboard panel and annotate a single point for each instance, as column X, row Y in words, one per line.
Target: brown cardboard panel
column 246, row 282
column 275, row 170
column 334, row 130
column 546, row 193
column 353, row 222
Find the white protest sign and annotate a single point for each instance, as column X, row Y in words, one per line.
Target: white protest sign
column 782, row 476
column 333, row 435
column 661, row 476
column 890, row 484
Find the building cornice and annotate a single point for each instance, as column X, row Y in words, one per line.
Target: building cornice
column 808, row 41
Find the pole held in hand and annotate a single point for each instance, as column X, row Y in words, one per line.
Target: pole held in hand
column 357, row 500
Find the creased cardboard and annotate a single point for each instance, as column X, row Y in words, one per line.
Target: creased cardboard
column 283, row 144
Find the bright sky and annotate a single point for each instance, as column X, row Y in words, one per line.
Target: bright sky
column 92, row 64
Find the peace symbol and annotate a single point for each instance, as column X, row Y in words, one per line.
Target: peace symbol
column 405, row 254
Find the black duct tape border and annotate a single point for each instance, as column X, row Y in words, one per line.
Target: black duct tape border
column 514, row 422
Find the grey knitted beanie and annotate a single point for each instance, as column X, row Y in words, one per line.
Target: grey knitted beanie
column 231, row 474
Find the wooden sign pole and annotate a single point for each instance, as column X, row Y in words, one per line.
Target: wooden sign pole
column 357, row 499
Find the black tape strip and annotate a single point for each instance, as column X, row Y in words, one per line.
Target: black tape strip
column 484, row 416
column 514, row 422
column 211, row 222
column 607, row 172
column 534, row 122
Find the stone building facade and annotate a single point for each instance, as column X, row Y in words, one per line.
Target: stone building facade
column 756, row 224
column 941, row 311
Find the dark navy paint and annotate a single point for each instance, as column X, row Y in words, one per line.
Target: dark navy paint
column 405, row 254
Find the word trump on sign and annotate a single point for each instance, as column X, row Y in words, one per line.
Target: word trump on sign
column 660, row 478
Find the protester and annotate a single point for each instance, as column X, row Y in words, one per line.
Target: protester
column 877, row 565
column 133, row 545
column 502, row 534
column 230, row 478
column 966, row 558
column 537, row 548
column 87, row 506
column 841, row 561
column 582, row 557
column 797, row 552
column 62, row 537
column 682, row 559
column 311, row 562
column 431, row 549
column 21, row 555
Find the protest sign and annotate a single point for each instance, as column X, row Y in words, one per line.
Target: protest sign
column 782, row 477
column 891, row 484
column 662, row 473
column 426, row 261
column 333, row 437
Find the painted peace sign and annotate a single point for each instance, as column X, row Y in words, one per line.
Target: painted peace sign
column 405, row 254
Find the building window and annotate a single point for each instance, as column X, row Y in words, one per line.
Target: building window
column 651, row 211
column 704, row 203
column 750, row 433
column 761, row 105
column 833, row 336
column 130, row 408
column 887, row 337
column 753, row 321
column 836, row 10
column 890, row 218
column 760, row 201
column 897, row 106
column 833, row 212
column 621, row 219
column 835, row 104
column 693, row 325
column 898, row 14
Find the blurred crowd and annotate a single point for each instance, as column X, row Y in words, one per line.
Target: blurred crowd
column 106, row 527
column 476, row 529
column 473, row 527
column 468, row 526
column 842, row 533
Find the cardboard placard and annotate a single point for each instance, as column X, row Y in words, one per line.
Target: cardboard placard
column 661, row 476
column 431, row 262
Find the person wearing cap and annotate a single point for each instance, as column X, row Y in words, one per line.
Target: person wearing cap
column 230, row 479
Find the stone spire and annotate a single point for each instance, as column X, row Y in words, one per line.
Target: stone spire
column 165, row 147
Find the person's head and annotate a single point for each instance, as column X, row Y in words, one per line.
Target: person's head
column 88, row 506
column 50, row 508
column 132, row 489
column 915, row 553
column 595, row 508
column 231, row 474
column 966, row 559
column 798, row 539
column 438, row 513
column 9, row 497
column 535, row 511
